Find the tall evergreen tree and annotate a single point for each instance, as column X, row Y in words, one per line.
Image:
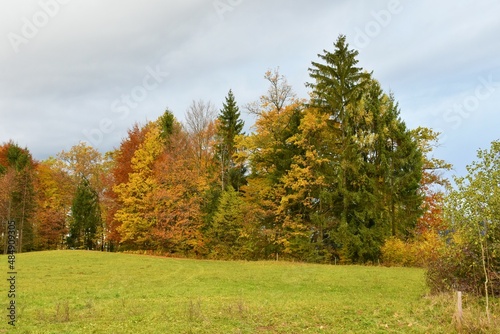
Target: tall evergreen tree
column 167, row 124
column 368, row 162
column 338, row 82
column 337, row 90
column 86, row 217
column 230, row 125
column 405, row 173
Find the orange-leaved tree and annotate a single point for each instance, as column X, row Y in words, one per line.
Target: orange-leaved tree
column 179, row 185
column 120, row 169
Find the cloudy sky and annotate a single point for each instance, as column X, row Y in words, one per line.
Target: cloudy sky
column 75, row 70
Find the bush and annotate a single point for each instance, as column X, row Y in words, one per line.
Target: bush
column 395, row 252
column 416, row 253
column 457, row 268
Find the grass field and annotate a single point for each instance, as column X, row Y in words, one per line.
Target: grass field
column 92, row 292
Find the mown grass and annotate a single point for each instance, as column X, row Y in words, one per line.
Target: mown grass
column 92, row 292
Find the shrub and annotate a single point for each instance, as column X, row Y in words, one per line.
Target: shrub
column 415, row 253
column 395, row 252
column 456, row 268
column 459, row 267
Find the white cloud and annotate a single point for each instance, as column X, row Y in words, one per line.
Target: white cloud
column 65, row 79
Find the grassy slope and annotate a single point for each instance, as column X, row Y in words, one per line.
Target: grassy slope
column 92, row 292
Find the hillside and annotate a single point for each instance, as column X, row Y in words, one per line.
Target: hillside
column 92, row 292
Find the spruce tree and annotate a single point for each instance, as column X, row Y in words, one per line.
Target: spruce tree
column 371, row 179
column 86, row 216
column 230, row 125
column 337, row 91
column 227, row 226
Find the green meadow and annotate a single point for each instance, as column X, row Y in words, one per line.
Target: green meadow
column 93, row 292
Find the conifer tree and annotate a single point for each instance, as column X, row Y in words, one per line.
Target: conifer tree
column 337, row 90
column 230, row 125
column 86, row 217
column 368, row 162
column 226, row 229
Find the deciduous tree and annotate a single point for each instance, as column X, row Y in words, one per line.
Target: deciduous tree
column 82, row 161
column 200, row 124
column 17, row 170
column 178, row 196
column 134, row 196
column 269, row 155
column 54, row 197
column 473, row 209
column 120, row 170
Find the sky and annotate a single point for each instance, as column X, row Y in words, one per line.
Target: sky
column 75, row 70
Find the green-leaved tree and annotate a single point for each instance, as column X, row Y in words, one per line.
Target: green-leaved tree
column 229, row 127
column 86, row 218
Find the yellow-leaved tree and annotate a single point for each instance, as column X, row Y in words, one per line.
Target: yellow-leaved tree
column 135, row 195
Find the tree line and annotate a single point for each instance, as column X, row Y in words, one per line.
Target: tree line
column 331, row 178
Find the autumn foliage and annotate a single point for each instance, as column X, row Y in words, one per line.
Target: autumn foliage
column 334, row 178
